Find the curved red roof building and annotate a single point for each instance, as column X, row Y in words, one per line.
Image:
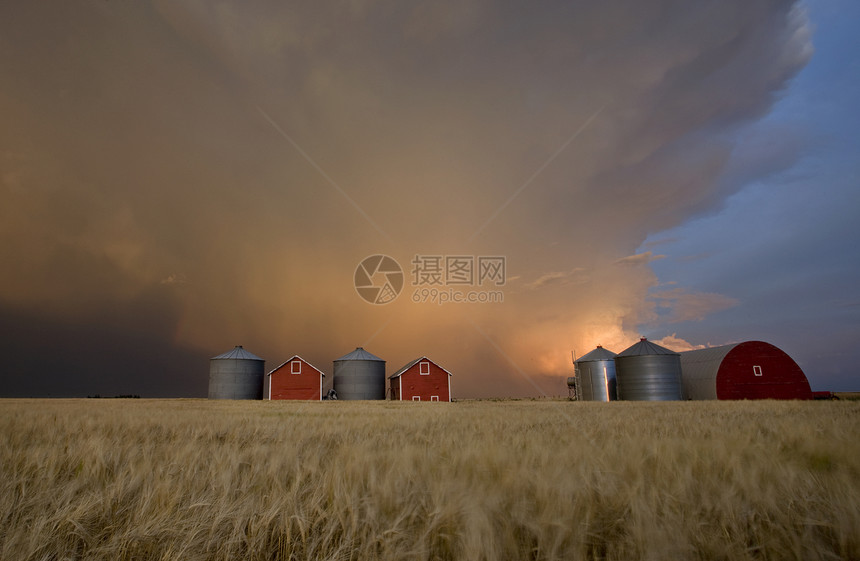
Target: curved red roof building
column 748, row 370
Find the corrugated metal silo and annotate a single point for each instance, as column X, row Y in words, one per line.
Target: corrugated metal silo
column 648, row 372
column 236, row 374
column 359, row 375
column 748, row 370
column 595, row 374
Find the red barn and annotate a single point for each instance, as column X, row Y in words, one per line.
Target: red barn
column 420, row 380
column 296, row 379
column 748, row 370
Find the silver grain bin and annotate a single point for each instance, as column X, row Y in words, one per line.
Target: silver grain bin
column 359, row 375
column 595, row 373
column 236, row 374
column 648, row 372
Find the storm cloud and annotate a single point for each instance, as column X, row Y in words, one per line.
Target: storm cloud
column 178, row 178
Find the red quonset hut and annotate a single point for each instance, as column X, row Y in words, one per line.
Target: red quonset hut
column 748, row 370
column 420, row 380
column 296, row 379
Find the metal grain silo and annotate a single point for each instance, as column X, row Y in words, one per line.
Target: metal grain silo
column 236, row 374
column 648, row 372
column 595, row 375
column 359, row 375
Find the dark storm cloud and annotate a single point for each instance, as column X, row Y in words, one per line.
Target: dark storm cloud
column 98, row 355
column 175, row 173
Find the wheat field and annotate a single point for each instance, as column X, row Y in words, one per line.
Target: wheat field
column 477, row 480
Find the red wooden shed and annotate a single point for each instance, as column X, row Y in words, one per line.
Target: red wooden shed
column 420, row 380
column 748, row 370
column 296, row 379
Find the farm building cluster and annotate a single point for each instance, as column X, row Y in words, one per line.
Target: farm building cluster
column 643, row 372
column 648, row 372
column 239, row 374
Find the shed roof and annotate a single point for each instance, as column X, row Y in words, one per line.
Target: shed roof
column 645, row 347
column 238, row 353
column 709, row 354
column 699, row 370
column 291, row 359
column 412, row 363
column 597, row 354
column 359, row 354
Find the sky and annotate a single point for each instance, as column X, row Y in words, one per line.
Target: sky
column 180, row 178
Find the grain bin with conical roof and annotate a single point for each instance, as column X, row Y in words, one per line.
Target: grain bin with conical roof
column 236, row 374
column 648, row 372
column 595, row 376
column 359, row 375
